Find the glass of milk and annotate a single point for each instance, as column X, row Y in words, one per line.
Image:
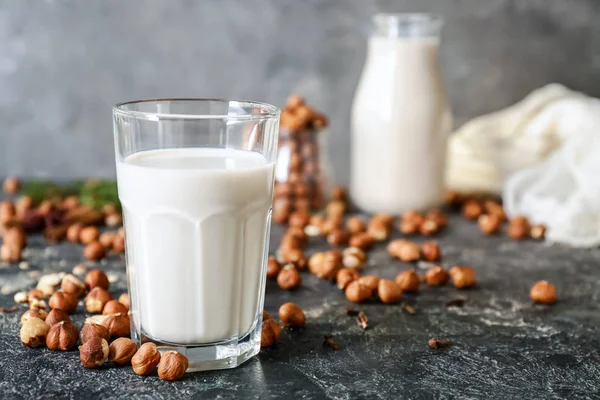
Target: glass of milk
column 195, row 182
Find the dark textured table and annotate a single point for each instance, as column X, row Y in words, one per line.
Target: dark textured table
column 504, row 346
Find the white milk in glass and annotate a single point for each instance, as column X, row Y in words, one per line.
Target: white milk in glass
column 196, row 222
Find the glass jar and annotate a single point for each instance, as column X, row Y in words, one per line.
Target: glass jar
column 302, row 170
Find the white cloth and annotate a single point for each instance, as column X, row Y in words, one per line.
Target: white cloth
column 543, row 155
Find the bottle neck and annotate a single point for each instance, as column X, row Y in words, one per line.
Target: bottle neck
column 402, row 26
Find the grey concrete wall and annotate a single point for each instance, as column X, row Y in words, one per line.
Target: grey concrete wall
column 63, row 63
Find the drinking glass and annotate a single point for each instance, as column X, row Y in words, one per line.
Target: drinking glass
column 195, row 179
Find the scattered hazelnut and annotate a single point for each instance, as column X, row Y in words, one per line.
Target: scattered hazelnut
column 299, row 218
column 289, row 242
column 94, row 352
column 493, row 208
column 338, row 193
column 353, row 257
column 118, row 325
column 273, row 268
column 88, row 234
column 453, row 198
column 94, row 251
column 33, row 332
column 326, row 264
column 330, row 225
column 35, row 294
column 7, row 212
column 291, row 315
column 74, row 232
column 90, row 330
column 97, row 278
column 294, row 256
column 39, row 304
column 489, row 223
column 266, row 315
column 10, row 253
column 404, row 250
column 15, row 236
column 378, row 231
column 338, row 237
column 517, row 231
column 408, row 227
column 382, row 219
column 538, row 231
column 357, row 292
column 543, row 292
column 345, row 276
column 436, row 275
column 289, row 278
column 408, row 281
column 62, row 336
column 317, row 220
column 172, row 366
column 35, row 313
column 121, row 351
column 22, row 205
column 389, row 292
column 118, row 245
column 80, row 269
column 294, row 101
column 55, row 316
column 335, row 210
column 462, row 276
column 96, row 299
column 47, row 290
column 519, row 220
column 429, row 227
column 472, row 209
column 72, row 285
column 356, row 225
column 113, row 220
column 361, row 240
column 11, row 185
column 370, row 281
column 124, row 299
column 281, row 210
column 438, row 216
column 20, row 297
column 70, row 202
column 431, row 251
column 298, row 233
column 114, row 307
column 271, row 332
column 107, row 239
column 63, row 301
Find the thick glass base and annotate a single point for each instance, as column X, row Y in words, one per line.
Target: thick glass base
column 205, row 357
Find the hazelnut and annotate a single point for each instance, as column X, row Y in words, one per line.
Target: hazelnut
column 37, row 304
column 404, row 250
column 320, row 121
column 271, row 332
column 518, row 231
column 294, row 256
column 489, row 223
column 88, row 234
column 298, row 233
column 121, row 351
column 118, row 244
column 330, row 225
column 462, row 276
column 9, row 253
column 302, row 190
column 35, row 294
column 389, row 292
column 35, row 313
column 429, row 227
column 46, row 289
column 11, row 185
column 107, row 239
column 345, row 276
column 114, row 307
column 356, row 225
column 74, row 232
column 124, row 299
column 96, row 278
column 15, row 236
column 70, row 202
column 113, row 220
column 291, row 315
column 63, row 301
column 289, row 242
column 266, row 315
column 62, row 336
column 289, row 278
column 338, row 237
column 537, row 231
column 20, row 297
column 90, row 330
column 370, row 281
column 408, row 281
column 94, row 352
column 357, row 292
column 408, row 227
column 96, row 299
column 335, row 210
column 353, row 257
column 299, row 218
column 22, row 205
column 339, row 193
column 281, row 210
column 45, row 207
column 382, row 219
column 431, row 251
column 80, row 269
column 453, row 198
column 33, row 332
column 436, row 275
column 172, row 366
column 378, row 231
column 326, row 264
column 273, row 268
column 118, row 325
column 519, row 220
column 317, row 220
column 94, row 251
column 282, row 189
column 7, row 212
column 361, row 240
column 294, row 101
column 493, row 208
column 438, row 216
column 543, row 292
column 55, row 316
column 472, row 209
column 72, row 285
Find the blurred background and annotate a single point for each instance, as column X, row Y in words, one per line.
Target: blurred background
column 63, row 64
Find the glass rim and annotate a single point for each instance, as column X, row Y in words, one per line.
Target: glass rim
column 267, row 111
column 417, row 17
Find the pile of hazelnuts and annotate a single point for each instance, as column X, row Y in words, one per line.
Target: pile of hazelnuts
column 103, row 338
column 60, row 219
